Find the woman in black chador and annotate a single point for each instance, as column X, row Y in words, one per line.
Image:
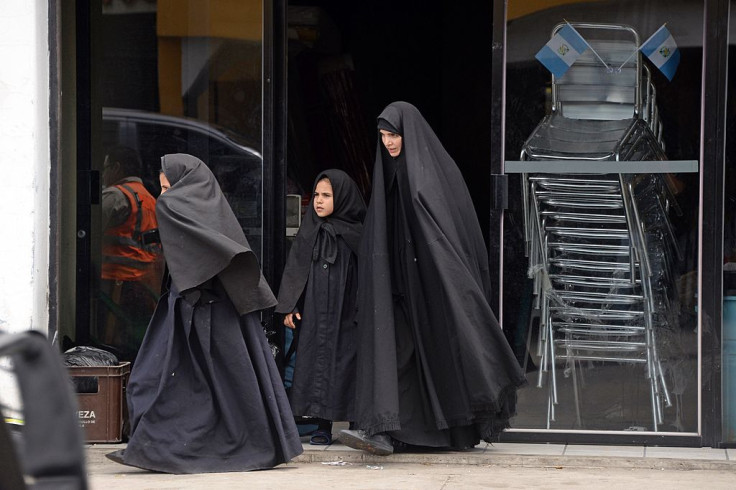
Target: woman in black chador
column 318, row 297
column 205, row 394
column 434, row 367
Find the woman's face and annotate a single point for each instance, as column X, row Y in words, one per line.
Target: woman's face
column 392, row 142
column 323, row 202
column 164, row 182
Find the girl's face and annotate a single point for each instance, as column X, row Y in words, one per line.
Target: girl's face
column 323, row 203
column 165, row 185
column 391, row 141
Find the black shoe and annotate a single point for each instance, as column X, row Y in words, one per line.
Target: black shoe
column 400, row 447
column 378, row 444
column 116, row 456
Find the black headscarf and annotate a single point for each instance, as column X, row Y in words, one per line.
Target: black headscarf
column 346, row 220
column 202, row 238
column 468, row 359
column 437, row 189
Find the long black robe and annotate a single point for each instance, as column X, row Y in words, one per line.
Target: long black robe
column 324, row 373
column 434, row 367
column 321, row 276
column 204, row 394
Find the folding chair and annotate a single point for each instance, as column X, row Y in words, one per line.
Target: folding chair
column 600, row 246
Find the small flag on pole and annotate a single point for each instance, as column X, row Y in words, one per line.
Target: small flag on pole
column 662, row 51
column 562, row 50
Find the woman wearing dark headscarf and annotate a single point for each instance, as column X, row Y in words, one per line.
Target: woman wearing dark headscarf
column 434, row 367
column 205, row 394
column 318, row 297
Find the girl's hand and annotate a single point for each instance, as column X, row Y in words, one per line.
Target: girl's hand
column 289, row 319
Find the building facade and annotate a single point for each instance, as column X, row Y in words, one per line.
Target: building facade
column 605, row 190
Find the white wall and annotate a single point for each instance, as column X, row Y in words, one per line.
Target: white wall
column 24, row 165
column 24, row 176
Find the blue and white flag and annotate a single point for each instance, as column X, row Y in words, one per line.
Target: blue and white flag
column 562, row 50
column 662, row 50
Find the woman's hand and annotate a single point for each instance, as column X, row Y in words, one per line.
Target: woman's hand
column 289, row 319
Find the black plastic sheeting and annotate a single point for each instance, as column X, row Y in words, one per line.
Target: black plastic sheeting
column 86, row 356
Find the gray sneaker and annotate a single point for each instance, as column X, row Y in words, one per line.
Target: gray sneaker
column 378, row 444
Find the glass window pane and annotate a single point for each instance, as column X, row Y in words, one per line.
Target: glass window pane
column 600, row 263
column 175, row 77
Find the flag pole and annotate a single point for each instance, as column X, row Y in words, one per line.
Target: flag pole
column 642, row 44
column 627, row 59
column 588, row 44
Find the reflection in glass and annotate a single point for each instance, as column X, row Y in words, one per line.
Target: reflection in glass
column 605, row 262
column 180, row 77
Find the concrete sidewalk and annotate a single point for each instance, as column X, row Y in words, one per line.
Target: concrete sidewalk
column 502, row 465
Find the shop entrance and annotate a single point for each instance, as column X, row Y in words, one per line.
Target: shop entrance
column 348, row 60
column 178, row 79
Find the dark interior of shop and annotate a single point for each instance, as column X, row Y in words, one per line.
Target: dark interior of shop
column 367, row 55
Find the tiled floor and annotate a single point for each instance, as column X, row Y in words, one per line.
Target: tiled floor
column 618, row 451
column 688, row 453
column 525, row 450
column 570, row 450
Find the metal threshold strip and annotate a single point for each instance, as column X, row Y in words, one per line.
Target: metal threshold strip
column 600, row 167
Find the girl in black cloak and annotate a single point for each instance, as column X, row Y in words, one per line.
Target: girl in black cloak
column 318, row 298
column 205, row 394
column 434, row 367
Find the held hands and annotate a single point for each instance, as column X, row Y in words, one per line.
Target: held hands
column 289, row 319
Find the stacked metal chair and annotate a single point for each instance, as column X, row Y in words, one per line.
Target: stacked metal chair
column 600, row 246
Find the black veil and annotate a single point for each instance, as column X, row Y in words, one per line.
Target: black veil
column 346, row 218
column 196, row 220
column 469, row 369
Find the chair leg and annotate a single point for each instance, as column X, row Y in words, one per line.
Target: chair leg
column 576, row 392
column 655, row 408
column 550, row 407
column 552, row 358
column 544, row 337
